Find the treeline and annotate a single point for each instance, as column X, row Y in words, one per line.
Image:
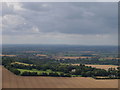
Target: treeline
column 65, row 69
column 90, row 61
column 52, row 74
column 85, row 71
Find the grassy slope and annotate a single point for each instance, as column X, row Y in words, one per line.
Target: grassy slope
column 38, row 71
column 22, row 63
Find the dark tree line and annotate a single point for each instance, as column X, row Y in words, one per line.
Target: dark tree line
column 52, row 74
column 65, row 69
column 90, row 61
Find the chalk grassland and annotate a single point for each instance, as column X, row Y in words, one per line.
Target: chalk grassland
column 12, row 81
column 106, row 67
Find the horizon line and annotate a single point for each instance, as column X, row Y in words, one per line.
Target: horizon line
column 61, row 44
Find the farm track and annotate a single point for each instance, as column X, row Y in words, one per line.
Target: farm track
column 9, row 80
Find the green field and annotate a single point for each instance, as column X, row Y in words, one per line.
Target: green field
column 38, row 71
column 22, row 63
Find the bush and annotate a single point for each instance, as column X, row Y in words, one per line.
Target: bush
column 17, row 72
column 29, row 73
column 53, row 74
column 43, row 74
column 67, row 75
column 62, row 75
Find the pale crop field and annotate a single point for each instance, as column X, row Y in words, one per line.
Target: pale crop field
column 106, row 67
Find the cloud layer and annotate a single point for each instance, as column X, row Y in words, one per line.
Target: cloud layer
column 60, row 23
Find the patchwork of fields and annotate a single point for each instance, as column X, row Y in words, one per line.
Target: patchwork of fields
column 12, row 81
column 106, row 67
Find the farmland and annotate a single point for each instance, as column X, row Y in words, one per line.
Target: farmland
column 50, row 67
column 9, row 55
column 12, row 81
column 59, row 67
column 22, row 63
column 34, row 70
column 106, row 67
column 73, row 57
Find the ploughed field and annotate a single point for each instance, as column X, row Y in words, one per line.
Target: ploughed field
column 12, row 81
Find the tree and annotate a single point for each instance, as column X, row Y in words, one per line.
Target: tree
column 29, row 73
column 44, row 74
column 67, row 75
column 17, row 72
column 62, row 74
column 88, row 73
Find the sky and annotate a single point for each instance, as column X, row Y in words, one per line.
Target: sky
column 70, row 23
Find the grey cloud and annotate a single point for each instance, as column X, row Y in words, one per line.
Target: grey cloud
column 6, row 10
column 34, row 6
column 39, row 18
column 83, row 18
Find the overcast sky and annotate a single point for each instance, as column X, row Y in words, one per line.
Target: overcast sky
column 60, row 23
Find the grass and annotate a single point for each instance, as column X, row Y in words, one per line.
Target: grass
column 38, row 71
column 76, row 75
column 22, row 63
